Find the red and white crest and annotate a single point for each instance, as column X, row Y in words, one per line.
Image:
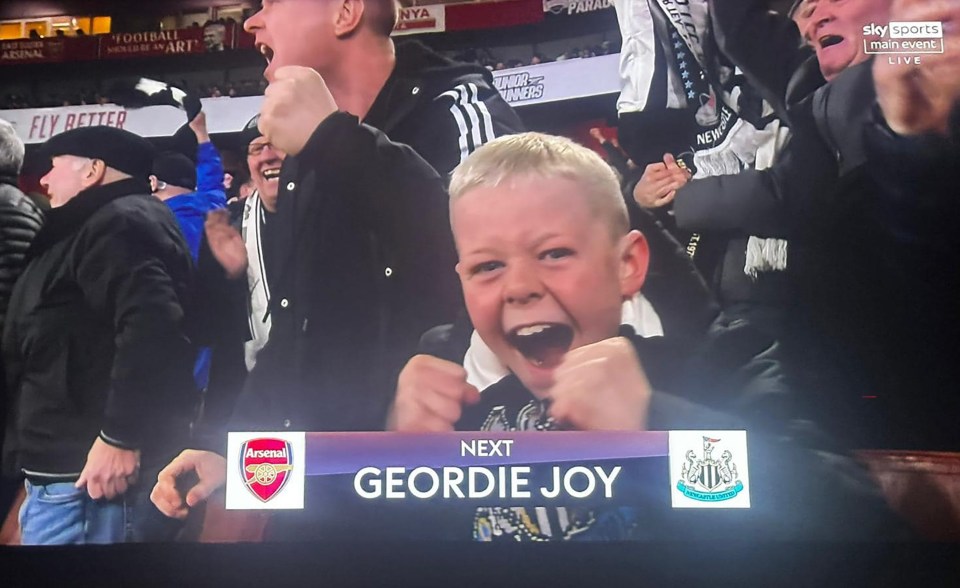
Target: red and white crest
column 265, row 466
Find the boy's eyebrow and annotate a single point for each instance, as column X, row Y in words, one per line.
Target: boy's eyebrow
column 536, row 243
column 544, row 238
column 480, row 251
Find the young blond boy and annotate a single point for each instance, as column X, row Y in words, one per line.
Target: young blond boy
column 546, row 262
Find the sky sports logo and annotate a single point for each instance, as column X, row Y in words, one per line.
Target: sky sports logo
column 903, row 38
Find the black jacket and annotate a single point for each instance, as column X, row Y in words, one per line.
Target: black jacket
column 94, row 342
column 366, row 266
column 882, row 290
column 800, row 194
column 872, row 238
column 443, row 109
column 20, row 220
column 381, row 210
column 802, row 486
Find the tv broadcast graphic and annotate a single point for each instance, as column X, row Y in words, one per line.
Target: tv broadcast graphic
column 484, row 281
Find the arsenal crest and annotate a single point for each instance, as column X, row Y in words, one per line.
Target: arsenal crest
column 708, row 479
column 265, row 466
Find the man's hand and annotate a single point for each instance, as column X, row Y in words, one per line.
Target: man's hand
column 293, row 107
column 659, row 184
column 918, row 98
column 431, row 393
column 211, row 470
column 109, row 470
column 226, row 244
column 601, row 387
column 199, row 127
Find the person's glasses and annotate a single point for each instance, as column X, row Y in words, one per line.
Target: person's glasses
column 257, row 148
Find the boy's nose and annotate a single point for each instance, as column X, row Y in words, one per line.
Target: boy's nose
column 521, row 286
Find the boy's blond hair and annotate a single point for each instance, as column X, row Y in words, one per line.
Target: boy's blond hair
column 546, row 156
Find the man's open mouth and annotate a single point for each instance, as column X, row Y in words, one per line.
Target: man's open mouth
column 266, row 51
column 543, row 344
column 830, row 40
column 271, row 174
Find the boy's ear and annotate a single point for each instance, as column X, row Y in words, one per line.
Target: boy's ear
column 348, row 17
column 634, row 262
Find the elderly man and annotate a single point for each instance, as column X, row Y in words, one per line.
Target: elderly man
column 19, row 222
column 97, row 361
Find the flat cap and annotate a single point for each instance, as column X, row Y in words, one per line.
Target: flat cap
column 175, row 169
column 119, row 149
column 793, row 8
column 251, row 131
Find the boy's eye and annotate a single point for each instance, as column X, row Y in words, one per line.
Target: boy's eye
column 485, row 267
column 557, row 253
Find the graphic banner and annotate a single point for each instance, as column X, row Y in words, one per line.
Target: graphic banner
column 707, row 469
column 420, row 19
column 55, row 50
column 571, row 7
column 152, row 44
column 559, row 80
column 523, row 86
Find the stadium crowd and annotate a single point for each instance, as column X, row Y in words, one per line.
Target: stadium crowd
column 773, row 255
column 250, row 87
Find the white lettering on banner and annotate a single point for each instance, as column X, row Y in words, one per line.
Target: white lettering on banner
column 904, row 38
column 24, row 54
column 394, row 483
column 146, row 37
column 519, row 87
column 575, row 6
column 44, row 126
column 266, row 453
column 714, row 135
column 559, row 80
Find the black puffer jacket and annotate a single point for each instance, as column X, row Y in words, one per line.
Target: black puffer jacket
column 94, row 343
column 20, row 220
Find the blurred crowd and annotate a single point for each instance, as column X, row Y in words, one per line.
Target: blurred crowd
column 255, row 87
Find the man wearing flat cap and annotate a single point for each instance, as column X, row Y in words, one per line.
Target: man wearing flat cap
column 98, row 365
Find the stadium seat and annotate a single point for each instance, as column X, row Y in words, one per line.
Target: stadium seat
column 923, row 487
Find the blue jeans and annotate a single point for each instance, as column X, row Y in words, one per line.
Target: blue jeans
column 59, row 514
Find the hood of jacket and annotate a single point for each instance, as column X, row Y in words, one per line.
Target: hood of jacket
column 419, row 75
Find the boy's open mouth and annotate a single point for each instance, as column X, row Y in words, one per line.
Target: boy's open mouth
column 543, row 344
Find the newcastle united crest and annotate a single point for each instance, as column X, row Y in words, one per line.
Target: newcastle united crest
column 708, row 479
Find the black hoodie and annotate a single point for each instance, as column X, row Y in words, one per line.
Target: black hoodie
column 441, row 108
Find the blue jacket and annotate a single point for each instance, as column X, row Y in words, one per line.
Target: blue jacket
column 191, row 211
